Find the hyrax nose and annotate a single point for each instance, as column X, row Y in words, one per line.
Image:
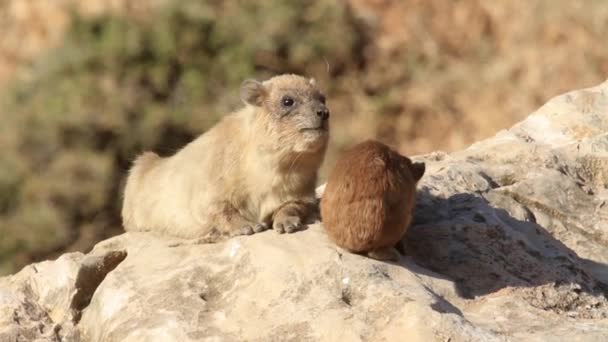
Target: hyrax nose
column 323, row 113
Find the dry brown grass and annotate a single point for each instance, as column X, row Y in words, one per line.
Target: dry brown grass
column 455, row 72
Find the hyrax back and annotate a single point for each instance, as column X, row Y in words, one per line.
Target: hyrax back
column 255, row 169
column 369, row 197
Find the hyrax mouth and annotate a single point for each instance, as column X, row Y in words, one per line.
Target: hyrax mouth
column 314, row 129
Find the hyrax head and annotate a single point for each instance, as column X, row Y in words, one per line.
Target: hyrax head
column 406, row 167
column 293, row 109
column 384, row 157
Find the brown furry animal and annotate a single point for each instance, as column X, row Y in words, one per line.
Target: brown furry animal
column 369, row 197
column 255, row 168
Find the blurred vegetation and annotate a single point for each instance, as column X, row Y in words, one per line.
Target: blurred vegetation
column 119, row 85
column 419, row 74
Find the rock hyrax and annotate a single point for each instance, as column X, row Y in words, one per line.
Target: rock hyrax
column 255, row 169
column 369, row 197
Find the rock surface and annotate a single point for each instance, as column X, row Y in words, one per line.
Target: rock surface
column 508, row 244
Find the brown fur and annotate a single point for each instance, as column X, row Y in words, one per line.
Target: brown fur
column 369, row 197
column 255, row 169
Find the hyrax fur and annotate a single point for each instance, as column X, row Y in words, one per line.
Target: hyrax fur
column 255, row 169
column 369, row 197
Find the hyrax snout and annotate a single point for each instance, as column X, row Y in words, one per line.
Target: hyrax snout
column 369, row 197
column 256, row 169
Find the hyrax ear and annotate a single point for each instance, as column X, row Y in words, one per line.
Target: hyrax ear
column 418, row 170
column 253, row 92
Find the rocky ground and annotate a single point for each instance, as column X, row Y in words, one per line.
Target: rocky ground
column 508, row 244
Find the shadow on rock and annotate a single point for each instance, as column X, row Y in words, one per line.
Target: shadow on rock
column 484, row 249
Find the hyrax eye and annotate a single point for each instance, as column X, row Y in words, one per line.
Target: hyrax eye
column 287, row 101
column 322, row 99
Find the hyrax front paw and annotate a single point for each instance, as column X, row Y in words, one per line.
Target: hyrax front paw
column 287, row 224
column 250, row 228
column 260, row 227
column 245, row 229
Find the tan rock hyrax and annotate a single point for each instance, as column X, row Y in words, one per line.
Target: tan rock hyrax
column 256, row 168
column 369, row 197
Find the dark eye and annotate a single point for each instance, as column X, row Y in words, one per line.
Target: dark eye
column 322, row 99
column 287, row 101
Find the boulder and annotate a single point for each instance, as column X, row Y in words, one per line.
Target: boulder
column 508, row 243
